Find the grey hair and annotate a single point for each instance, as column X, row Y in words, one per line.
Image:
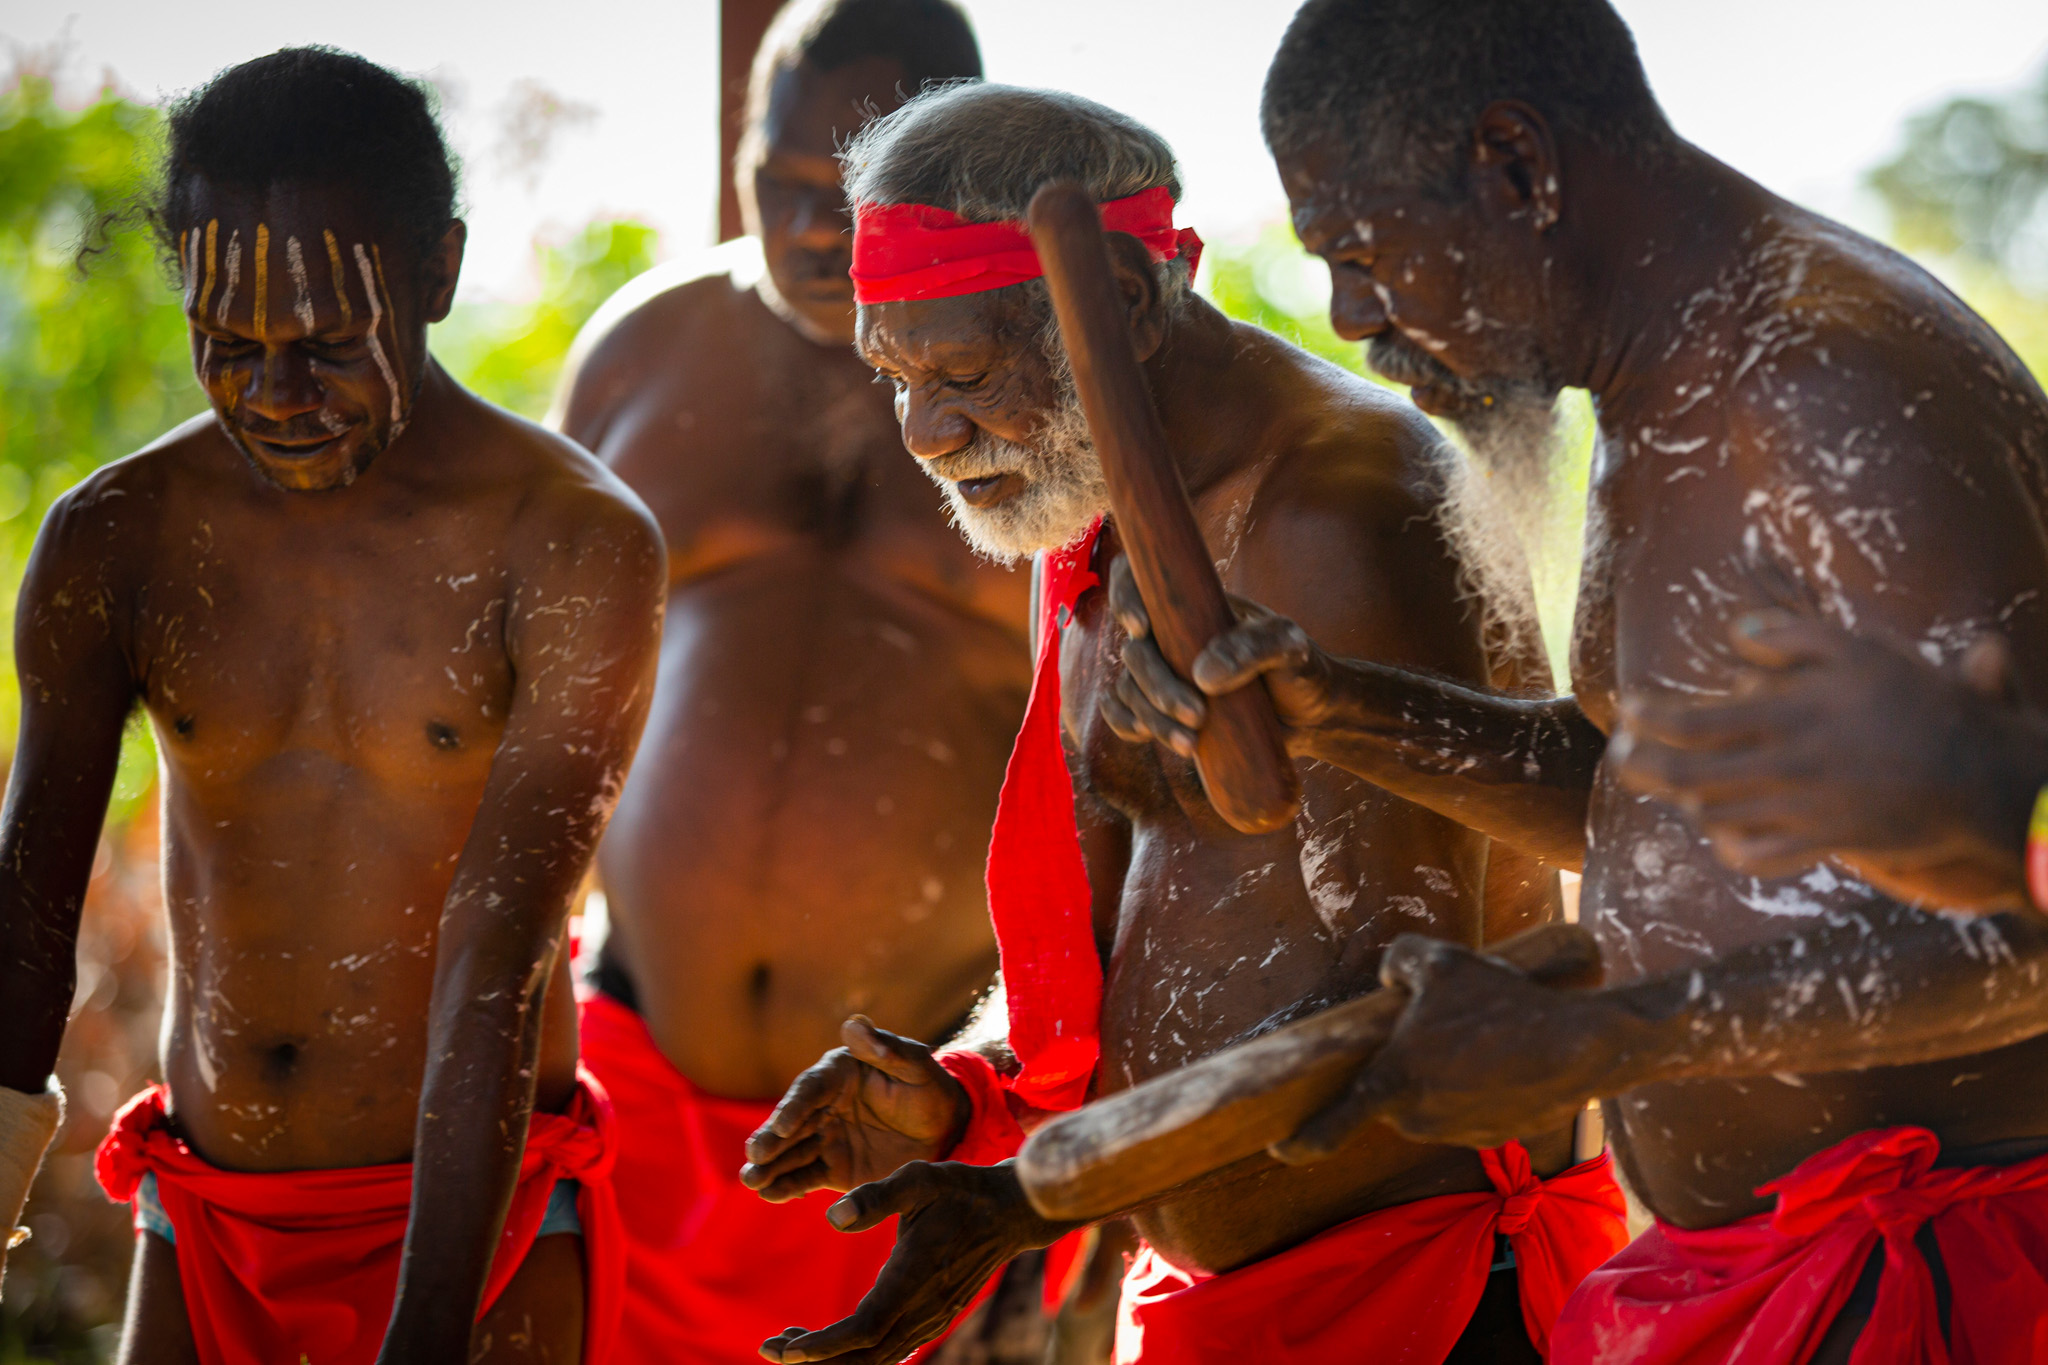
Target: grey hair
column 1402, row 83
column 982, row 150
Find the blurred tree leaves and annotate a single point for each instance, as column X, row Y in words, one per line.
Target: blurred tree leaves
column 1972, row 181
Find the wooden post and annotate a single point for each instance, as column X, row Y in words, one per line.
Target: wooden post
column 741, row 24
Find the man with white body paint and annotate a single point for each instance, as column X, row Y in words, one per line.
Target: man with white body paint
column 1163, row 934
column 1831, row 1100
column 396, row 647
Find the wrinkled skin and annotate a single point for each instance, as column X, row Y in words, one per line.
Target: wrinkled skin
column 1917, row 778
column 1313, row 490
column 1786, row 412
column 803, row 837
column 396, row 647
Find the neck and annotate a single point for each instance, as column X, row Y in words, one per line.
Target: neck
column 1645, row 240
column 1197, row 386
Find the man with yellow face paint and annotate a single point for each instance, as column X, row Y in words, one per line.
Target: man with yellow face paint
column 396, row 647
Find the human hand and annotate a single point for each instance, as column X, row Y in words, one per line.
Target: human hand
column 1152, row 702
column 864, row 1110
column 1482, row 1053
column 1918, row 779
column 957, row 1226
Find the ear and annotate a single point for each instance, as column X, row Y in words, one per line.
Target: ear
column 1515, row 171
column 1138, row 282
column 441, row 268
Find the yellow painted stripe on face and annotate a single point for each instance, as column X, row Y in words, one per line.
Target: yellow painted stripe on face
column 206, row 290
column 340, row 277
column 262, row 299
column 385, row 289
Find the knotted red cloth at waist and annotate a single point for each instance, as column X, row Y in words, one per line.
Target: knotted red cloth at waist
column 279, row 1265
column 917, row 251
column 1394, row 1287
column 1764, row 1290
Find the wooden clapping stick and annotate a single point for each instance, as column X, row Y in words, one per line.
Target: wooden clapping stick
column 1240, row 753
column 1117, row 1153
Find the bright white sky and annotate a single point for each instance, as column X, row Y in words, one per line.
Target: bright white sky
column 1802, row 94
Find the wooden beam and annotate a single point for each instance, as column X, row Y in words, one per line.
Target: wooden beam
column 741, row 24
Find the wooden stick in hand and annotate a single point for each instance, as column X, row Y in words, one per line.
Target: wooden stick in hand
column 1120, row 1152
column 1241, row 753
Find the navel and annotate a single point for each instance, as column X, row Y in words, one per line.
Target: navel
column 442, row 735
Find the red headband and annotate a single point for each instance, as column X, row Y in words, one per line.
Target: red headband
column 915, row 251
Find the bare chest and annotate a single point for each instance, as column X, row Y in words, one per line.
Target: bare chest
column 373, row 647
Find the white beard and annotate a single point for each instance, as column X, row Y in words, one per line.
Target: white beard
column 1502, row 512
column 1063, row 485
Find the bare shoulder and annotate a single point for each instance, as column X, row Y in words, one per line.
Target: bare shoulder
column 641, row 326
column 114, row 513
column 1342, row 532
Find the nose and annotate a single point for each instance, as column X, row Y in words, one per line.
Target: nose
column 819, row 222
column 1356, row 310
column 280, row 386
column 932, row 429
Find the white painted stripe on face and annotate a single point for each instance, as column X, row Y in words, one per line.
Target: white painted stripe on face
column 376, row 320
column 234, row 273
column 302, row 295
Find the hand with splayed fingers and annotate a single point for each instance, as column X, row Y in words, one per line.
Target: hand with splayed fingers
column 864, row 1110
column 1917, row 778
column 957, row 1226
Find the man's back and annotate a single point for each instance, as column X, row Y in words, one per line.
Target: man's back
column 841, row 678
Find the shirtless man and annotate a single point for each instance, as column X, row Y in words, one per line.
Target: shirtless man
column 838, row 688
column 1791, row 418
column 396, row 646
column 1179, row 935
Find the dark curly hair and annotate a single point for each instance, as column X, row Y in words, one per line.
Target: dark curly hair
column 310, row 114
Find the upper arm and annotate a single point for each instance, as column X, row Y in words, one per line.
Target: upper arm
column 582, row 635
column 1894, row 497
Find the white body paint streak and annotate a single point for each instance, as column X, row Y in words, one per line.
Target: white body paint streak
column 302, row 297
column 234, row 273
column 376, row 320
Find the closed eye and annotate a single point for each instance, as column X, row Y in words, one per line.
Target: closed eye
column 967, row 383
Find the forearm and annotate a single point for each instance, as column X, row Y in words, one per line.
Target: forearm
column 1518, row 769
column 483, row 1043
column 1908, row 988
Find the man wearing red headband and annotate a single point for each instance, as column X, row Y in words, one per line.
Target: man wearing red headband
column 1137, row 931
column 840, row 679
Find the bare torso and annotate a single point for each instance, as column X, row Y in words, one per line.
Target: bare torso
column 1215, row 935
column 803, row 835
column 1779, row 454
column 327, row 678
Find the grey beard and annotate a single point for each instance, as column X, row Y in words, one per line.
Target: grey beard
column 1063, row 485
column 1503, row 513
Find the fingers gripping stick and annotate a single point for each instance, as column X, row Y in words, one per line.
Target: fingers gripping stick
column 1241, row 753
column 1122, row 1151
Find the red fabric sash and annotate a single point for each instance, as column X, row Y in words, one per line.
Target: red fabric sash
column 916, row 251
column 1038, row 892
column 1396, row 1286
column 712, row 1269
column 1764, row 1290
column 279, row 1265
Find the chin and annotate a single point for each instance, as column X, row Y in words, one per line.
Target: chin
column 1018, row 527
column 335, row 466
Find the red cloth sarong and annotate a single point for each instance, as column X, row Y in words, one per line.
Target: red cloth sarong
column 712, row 1268
column 282, row 1265
column 1394, row 1287
column 1764, row 1290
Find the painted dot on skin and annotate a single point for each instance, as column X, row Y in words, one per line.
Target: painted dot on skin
column 340, row 277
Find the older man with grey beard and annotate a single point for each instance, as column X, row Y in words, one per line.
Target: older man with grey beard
column 1139, row 932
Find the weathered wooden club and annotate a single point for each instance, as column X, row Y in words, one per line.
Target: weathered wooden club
column 1241, row 754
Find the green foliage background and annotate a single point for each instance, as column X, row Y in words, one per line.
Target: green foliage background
column 95, row 365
